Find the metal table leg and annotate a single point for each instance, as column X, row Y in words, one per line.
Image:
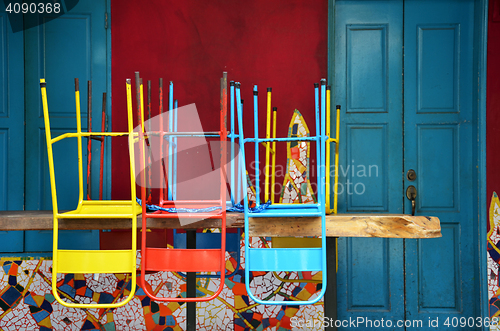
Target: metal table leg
column 191, row 285
column 330, row 305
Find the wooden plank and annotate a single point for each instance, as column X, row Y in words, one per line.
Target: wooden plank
column 341, row 225
column 349, row 225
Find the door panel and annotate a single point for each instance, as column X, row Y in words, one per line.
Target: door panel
column 438, row 146
column 368, row 293
column 367, row 179
column 437, row 84
column 440, row 294
column 440, row 184
column 11, row 126
column 59, row 50
column 368, row 86
column 366, row 72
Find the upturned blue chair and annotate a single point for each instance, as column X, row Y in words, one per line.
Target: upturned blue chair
column 287, row 259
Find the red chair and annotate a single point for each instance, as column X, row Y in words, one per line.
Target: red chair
column 155, row 259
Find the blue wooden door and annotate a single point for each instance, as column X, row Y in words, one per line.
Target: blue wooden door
column 368, row 81
column 441, row 274
column 11, row 126
column 59, row 50
column 403, row 75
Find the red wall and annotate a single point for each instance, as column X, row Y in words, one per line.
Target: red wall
column 493, row 101
column 279, row 44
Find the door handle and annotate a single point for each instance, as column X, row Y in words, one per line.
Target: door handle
column 411, row 194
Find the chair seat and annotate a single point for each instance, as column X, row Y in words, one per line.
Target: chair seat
column 284, row 259
column 185, row 215
column 190, row 204
column 104, row 209
column 197, row 205
column 288, row 212
column 95, row 261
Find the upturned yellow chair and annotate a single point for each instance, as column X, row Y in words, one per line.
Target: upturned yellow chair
column 91, row 261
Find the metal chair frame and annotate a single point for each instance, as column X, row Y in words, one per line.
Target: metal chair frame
column 205, row 239
column 188, row 260
column 91, row 261
column 278, row 259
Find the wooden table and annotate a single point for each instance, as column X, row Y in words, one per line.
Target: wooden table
column 340, row 225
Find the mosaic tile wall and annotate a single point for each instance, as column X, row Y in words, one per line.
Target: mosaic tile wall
column 26, row 301
column 493, row 247
column 296, row 185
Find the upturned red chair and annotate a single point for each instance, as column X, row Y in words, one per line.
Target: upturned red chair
column 156, row 259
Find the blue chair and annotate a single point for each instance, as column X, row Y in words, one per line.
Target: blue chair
column 287, row 259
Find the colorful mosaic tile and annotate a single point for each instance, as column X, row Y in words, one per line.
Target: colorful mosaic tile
column 296, row 185
column 26, row 301
column 493, row 248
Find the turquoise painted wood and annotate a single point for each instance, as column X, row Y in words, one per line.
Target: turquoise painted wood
column 431, row 131
column 71, row 46
column 479, row 94
column 439, row 141
column 368, row 80
column 11, row 127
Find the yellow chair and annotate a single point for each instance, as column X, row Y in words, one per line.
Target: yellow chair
column 91, row 261
column 328, row 142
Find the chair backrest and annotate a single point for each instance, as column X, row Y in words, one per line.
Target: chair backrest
column 319, row 138
column 153, row 141
column 78, row 135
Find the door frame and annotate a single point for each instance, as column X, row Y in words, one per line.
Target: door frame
column 106, row 189
column 479, row 131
